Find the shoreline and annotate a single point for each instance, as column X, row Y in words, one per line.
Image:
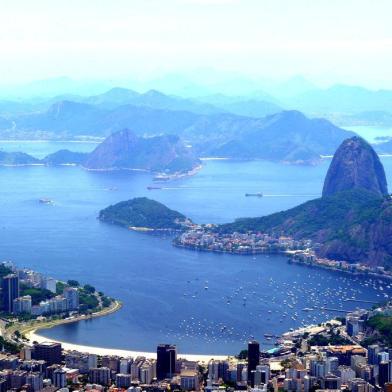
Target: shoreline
column 36, row 325
column 31, row 333
column 33, row 336
column 290, row 254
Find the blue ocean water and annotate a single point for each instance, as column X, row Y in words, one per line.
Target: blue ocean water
column 203, row 302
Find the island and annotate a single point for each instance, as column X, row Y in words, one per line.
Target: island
column 143, row 214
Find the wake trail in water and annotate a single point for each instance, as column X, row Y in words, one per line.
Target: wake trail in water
column 225, row 188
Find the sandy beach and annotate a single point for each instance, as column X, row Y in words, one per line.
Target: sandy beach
column 33, row 336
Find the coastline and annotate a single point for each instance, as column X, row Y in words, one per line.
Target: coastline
column 28, row 330
column 31, row 333
column 33, row 336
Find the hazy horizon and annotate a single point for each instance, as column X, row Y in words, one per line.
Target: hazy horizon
column 326, row 42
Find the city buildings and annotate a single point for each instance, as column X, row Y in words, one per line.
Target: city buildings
column 60, row 378
column 253, row 359
column 22, row 305
column 71, row 294
column 10, row 291
column 189, row 380
column 100, row 376
column 49, row 352
column 166, row 361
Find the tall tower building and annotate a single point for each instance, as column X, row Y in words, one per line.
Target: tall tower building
column 71, row 294
column 166, row 361
column 253, row 359
column 10, row 288
column 48, row 351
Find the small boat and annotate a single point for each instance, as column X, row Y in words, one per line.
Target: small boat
column 161, row 177
column 259, row 194
column 45, row 201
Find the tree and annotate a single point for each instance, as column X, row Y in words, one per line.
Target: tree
column 243, row 354
column 90, row 289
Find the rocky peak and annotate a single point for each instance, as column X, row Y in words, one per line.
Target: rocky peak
column 355, row 165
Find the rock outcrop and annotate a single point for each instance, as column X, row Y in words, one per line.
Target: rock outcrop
column 125, row 150
column 355, row 165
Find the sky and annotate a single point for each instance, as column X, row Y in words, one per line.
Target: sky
column 327, row 41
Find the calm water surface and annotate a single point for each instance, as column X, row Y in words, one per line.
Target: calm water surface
column 164, row 288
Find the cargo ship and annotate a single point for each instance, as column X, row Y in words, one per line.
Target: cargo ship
column 45, row 201
column 259, row 194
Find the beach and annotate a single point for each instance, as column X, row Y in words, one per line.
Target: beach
column 33, row 336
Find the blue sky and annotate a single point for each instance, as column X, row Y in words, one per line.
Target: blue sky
column 330, row 41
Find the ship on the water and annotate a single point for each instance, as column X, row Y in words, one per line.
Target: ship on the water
column 150, row 188
column 45, row 201
column 259, row 194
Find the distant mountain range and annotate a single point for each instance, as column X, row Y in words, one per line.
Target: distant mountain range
column 287, row 136
column 210, row 126
column 201, row 86
column 254, row 126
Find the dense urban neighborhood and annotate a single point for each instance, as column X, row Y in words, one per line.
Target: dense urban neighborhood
column 351, row 353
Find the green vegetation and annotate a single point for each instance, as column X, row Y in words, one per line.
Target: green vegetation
column 37, row 295
column 334, row 339
column 88, row 301
column 8, row 346
column 243, row 354
column 142, row 212
column 4, row 270
column 73, row 283
column 346, row 224
column 89, row 289
column 341, row 319
column 382, row 328
column 106, row 301
column 60, row 287
column 328, row 212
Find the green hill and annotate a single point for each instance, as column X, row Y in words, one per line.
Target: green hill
column 142, row 212
column 351, row 222
column 351, row 225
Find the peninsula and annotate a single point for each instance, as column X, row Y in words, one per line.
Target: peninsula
column 33, row 301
